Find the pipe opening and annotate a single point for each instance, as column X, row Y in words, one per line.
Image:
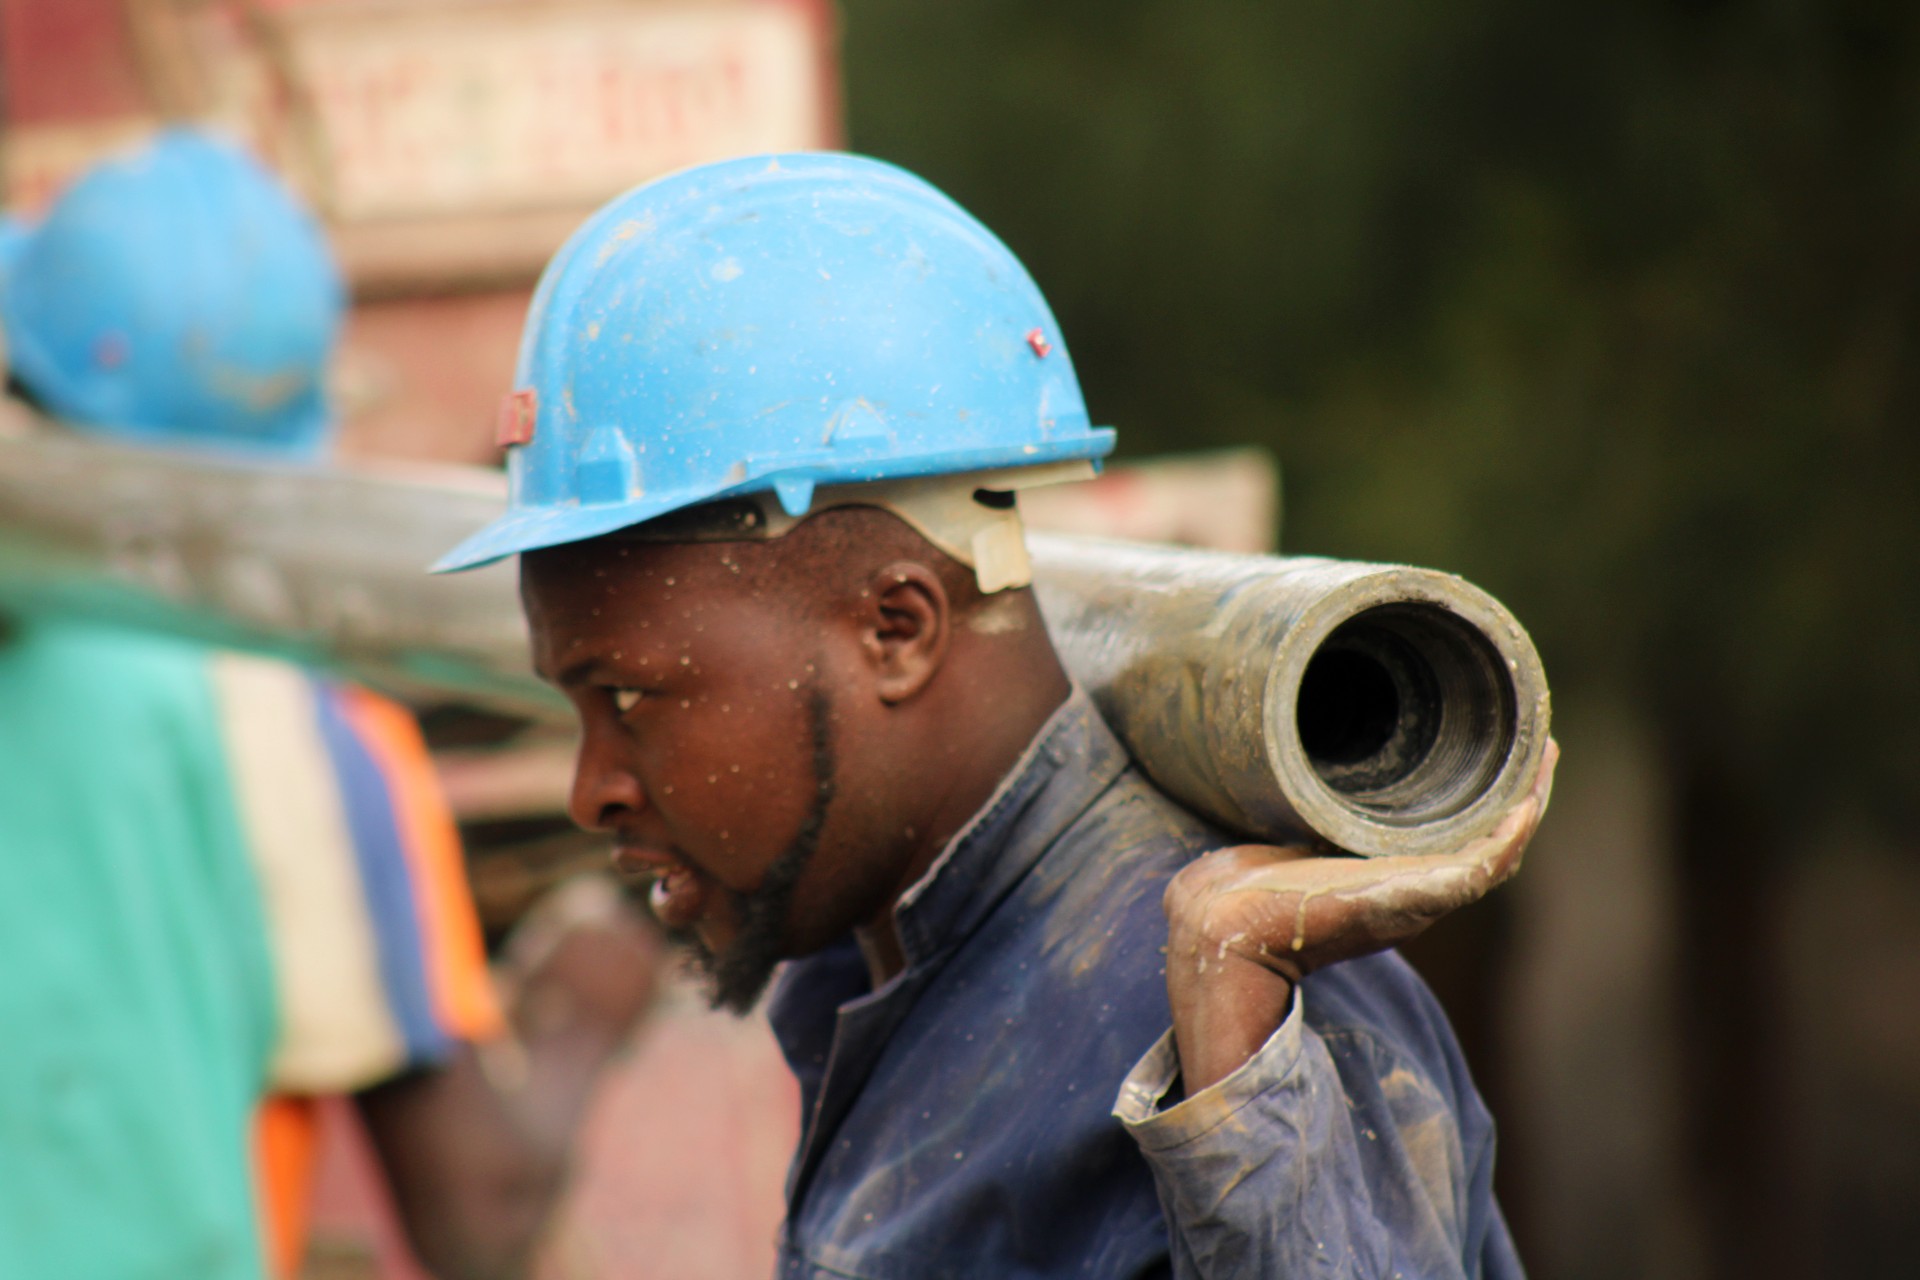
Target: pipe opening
column 1349, row 708
column 1407, row 713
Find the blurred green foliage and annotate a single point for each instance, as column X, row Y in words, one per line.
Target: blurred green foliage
column 1610, row 307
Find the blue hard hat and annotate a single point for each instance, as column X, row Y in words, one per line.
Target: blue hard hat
column 773, row 324
column 177, row 293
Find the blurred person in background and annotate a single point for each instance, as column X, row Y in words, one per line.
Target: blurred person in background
column 229, row 885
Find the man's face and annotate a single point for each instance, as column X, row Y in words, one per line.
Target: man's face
column 708, row 748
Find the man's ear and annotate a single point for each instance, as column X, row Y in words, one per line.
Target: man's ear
column 905, row 629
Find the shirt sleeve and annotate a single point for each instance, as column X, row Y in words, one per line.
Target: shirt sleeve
column 377, row 956
column 452, row 953
column 1327, row 1154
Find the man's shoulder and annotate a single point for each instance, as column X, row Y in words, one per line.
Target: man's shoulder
column 106, row 650
column 1091, row 905
column 1129, row 838
column 1133, row 823
column 1103, row 880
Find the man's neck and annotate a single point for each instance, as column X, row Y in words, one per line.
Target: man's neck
column 989, row 720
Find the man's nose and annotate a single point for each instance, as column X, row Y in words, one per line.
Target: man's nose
column 604, row 787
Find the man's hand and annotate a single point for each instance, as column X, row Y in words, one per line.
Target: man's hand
column 1247, row 923
column 476, row 1150
column 583, row 961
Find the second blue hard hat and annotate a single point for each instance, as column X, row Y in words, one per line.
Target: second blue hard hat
column 176, row 294
column 774, row 324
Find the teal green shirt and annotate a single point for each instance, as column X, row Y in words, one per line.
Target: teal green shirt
column 137, row 1010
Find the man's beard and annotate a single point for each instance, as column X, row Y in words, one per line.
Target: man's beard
column 739, row 974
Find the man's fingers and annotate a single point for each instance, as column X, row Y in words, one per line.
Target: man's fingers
column 1263, row 901
column 1500, row 850
column 1195, row 889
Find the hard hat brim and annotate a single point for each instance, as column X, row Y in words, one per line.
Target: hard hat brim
column 532, row 528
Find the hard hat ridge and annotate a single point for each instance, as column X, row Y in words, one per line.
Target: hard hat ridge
column 775, row 324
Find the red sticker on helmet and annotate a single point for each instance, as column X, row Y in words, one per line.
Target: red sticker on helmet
column 1038, row 341
column 517, row 413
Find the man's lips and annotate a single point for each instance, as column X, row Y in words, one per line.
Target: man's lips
column 679, row 891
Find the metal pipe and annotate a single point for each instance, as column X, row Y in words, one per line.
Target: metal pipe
column 1383, row 709
column 323, row 565
column 1380, row 708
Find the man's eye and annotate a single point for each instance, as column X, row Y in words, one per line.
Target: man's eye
column 625, row 700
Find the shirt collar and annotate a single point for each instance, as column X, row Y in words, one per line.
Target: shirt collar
column 1072, row 759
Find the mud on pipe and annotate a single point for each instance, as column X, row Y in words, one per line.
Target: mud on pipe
column 1379, row 708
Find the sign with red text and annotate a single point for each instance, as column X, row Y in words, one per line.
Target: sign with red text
column 516, row 106
column 445, row 141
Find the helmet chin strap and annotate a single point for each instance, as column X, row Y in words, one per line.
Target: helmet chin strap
column 987, row 536
column 973, row 516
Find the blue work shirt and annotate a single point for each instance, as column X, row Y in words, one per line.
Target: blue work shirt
column 998, row 1108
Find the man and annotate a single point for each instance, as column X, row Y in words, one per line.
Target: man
column 769, row 420
column 222, row 876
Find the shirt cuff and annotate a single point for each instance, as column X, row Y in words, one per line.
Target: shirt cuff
column 1138, row 1106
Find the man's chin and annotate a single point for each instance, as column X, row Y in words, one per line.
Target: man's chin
column 736, row 976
